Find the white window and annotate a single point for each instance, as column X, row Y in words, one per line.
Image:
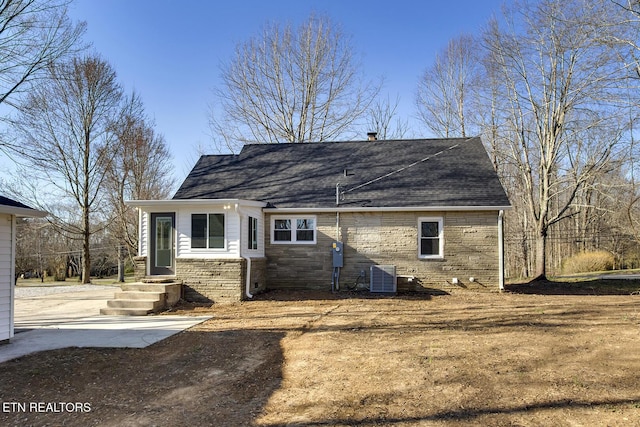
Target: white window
column 430, row 238
column 207, row 231
column 253, row 233
column 298, row 230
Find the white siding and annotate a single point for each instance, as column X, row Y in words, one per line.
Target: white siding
column 6, row 277
column 144, row 234
column 255, row 212
column 236, row 229
column 5, row 314
column 232, row 235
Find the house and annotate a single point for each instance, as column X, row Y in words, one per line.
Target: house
column 320, row 215
column 9, row 211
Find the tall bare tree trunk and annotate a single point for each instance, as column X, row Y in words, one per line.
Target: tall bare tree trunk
column 561, row 119
column 86, row 217
column 86, row 249
column 541, row 255
column 66, row 127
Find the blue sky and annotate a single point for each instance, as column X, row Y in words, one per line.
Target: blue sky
column 170, row 51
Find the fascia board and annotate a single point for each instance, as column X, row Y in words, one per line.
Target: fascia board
column 22, row 212
column 391, row 209
column 174, row 203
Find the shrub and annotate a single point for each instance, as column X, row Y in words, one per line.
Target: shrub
column 585, row 262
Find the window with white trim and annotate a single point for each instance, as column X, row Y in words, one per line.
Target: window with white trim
column 430, row 238
column 208, row 231
column 252, row 233
column 299, row 230
column 305, row 229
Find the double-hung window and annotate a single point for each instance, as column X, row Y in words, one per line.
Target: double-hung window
column 293, row 230
column 430, row 238
column 208, row 231
column 305, row 229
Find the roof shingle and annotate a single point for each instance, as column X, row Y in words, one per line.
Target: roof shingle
column 453, row 172
column 5, row 201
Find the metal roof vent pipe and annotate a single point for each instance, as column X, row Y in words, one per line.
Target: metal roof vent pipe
column 372, row 136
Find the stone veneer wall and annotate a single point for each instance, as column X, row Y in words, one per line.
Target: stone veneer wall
column 139, row 268
column 258, row 277
column 470, row 250
column 218, row 280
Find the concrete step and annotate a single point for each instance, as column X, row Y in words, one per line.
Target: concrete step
column 161, row 279
column 148, row 287
column 140, row 299
column 144, row 287
column 124, row 311
column 152, row 305
column 139, row 295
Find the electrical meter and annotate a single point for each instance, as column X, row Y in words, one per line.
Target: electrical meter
column 337, row 249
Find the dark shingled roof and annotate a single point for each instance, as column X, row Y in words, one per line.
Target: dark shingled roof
column 10, row 202
column 457, row 172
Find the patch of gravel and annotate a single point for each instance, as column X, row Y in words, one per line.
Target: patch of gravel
column 37, row 291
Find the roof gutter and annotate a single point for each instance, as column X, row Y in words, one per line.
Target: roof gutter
column 22, row 212
column 192, row 202
column 342, row 208
column 390, row 209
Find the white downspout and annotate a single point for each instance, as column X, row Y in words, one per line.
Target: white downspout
column 501, row 250
column 247, row 289
column 247, row 285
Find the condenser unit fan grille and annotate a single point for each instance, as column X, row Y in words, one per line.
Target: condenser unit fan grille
column 383, row 279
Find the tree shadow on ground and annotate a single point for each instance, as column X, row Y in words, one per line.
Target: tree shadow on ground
column 583, row 287
column 465, row 414
column 221, row 378
column 317, row 295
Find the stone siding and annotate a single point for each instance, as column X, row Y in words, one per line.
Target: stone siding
column 139, row 268
column 211, row 280
column 219, row 280
column 470, row 251
column 301, row 266
column 258, row 277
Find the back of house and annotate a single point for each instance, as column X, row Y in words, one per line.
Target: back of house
column 401, row 215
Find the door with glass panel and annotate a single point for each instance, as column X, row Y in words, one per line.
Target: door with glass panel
column 162, row 244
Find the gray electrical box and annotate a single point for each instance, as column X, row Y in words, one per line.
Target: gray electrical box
column 338, row 254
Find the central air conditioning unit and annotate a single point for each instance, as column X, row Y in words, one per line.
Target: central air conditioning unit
column 383, row 279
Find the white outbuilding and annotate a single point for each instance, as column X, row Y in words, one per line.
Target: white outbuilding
column 9, row 211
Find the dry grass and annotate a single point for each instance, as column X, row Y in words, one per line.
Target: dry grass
column 585, row 262
column 319, row 359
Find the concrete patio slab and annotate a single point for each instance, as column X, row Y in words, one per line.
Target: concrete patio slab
column 52, row 319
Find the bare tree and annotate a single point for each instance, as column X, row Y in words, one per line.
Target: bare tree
column 290, row 85
column 562, row 121
column 446, row 88
column 33, row 34
column 140, row 170
column 628, row 36
column 66, row 134
column 384, row 121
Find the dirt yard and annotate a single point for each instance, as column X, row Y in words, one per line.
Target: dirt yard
column 485, row 359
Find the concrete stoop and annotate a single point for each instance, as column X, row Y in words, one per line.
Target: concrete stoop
column 142, row 298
